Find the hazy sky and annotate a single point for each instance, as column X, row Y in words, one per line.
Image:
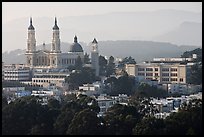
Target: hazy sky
column 13, row 10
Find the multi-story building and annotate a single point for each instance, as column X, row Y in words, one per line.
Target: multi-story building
column 165, row 73
column 2, row 71
column 45, row 77
column 17, row 72
column 104, row 103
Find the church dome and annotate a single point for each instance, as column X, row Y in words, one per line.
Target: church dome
column 75, row 47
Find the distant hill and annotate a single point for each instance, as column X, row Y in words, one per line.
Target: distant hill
column 139, row 50
column 189, row 33
column 110, row 26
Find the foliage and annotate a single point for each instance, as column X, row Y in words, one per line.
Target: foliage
column 145, row 90
column 84, row 76
column 86, row 58
column 187, row 121
column 121, row 85
column 78, row 63
column 120, row 119
column 195, row 76
column 126, row 60
column 102, row 65
column 20, row 116
column 110, row 66
column 85, row 122
column 189, row 54
column 150, row 126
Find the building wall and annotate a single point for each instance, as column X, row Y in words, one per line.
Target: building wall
column 164, row 73
column 17, row 72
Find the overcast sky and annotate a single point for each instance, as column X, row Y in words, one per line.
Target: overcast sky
column 14, row 10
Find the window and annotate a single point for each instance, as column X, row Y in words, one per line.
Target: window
column 149, row 74
column 165, row 69
column 181, row 79
column 165, row 74
column 165, row 79
column 156, row 74
column 155, row 69
column 103, row 109
column 140, row 74
column 174, row 74
column 149, row 69
column 173, row 69
column 141, row 69
column 173, row 79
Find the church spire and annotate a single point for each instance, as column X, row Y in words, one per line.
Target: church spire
column 94, row 41
column 75, row 39
column 55, row 26
column 31, row 25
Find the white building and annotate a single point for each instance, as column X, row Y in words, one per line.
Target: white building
column 17, row 72
column 54, row 58
column 45, row 77
column 91, row 89
column 165, row 73
column 104, row 103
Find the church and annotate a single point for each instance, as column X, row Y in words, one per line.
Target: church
column 55, row 58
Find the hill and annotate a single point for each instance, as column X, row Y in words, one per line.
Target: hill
column 139, row 50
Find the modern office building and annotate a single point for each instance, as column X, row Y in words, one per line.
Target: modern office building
column 165, row 73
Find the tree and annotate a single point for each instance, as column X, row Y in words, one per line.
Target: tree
column 78, row 63
column 80, row 77
column 121, row 85
column 195, row 75
column 150, row 126
column 86, row 59
column 85, row 122
column 145, row 90
column 120, row 119
column 102, row 65
column 126, row 60
column 110, row 66
column 23, row 114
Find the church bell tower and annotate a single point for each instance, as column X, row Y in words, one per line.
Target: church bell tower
column 95, row 57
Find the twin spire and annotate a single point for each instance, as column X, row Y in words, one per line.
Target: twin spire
column 32, row 28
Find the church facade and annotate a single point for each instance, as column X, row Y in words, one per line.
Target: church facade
column 53, row 58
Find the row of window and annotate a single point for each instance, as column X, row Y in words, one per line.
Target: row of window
column 156, row 74
column 49, row 76
column 15, row 72
column 16, row 76
column 172, row 79
column 156, row 69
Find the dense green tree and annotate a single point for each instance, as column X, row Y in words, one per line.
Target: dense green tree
column 20, row 116
column 4, row 102
column 86, row 59
column 145, row 90
column 189, row 54
column 195, row 76
column 126, row 60
column 120, row 119
column 110, row 66
column 185, row 122
column 102, row 65
column 70, row 108
column 85, row 122
column 150, row 126
column 78, row 63
column 122, row 85
column 80, row 77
